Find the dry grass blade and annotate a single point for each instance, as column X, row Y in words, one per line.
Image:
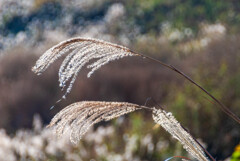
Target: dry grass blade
column 170, row 124
column 80, row 52
column 79, row 117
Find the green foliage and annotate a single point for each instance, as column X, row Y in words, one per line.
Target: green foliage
column 150, row 15
column 236, row 154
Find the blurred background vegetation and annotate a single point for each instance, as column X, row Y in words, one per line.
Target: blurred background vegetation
column 199, row 37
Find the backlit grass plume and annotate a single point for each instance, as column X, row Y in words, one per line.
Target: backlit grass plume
column 77, row 118
column 80, row 52
column 93, row 54
column 171, row 125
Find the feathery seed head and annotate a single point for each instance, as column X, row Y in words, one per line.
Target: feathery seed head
column 171, row 125
column 80, row 51
column 79, row 117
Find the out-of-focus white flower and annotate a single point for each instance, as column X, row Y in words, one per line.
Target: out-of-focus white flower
column 120, row 120
column 115, row 157
column 214, row 29
column 204, row 42
column 37, row 141
column 98, row 136
column 175, row 35
column 6, row 149
column 162, row 144
column 96, row 31
column 131, row 145
column 147, row 142
column 101, row 150
column 73, row 157
column 55, row 145
column 55, row 35
column 114, row 13
column 37, row 123
column 20, row 37
column 82, row 4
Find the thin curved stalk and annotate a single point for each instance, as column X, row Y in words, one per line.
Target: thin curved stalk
column 221, row 105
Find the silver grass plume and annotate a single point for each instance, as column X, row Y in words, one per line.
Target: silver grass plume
column 80, row 51
column 77, row 118
column 171, row 125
